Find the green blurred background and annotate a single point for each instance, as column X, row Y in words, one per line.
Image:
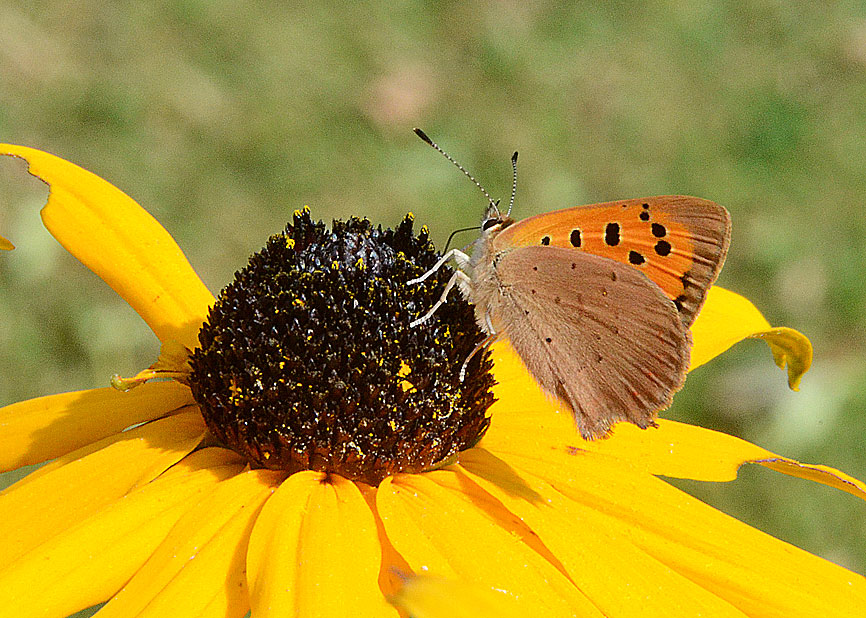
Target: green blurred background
column 221, row 118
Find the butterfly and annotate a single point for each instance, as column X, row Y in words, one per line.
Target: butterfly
column 596, row 300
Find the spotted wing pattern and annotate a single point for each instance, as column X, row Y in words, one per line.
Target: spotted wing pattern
column 679, row 242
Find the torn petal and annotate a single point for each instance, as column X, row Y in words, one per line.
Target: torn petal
column 122, row 243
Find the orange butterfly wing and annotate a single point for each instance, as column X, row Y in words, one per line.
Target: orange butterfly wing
column 679, row 242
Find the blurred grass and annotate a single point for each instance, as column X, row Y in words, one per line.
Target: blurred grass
column 221, row 118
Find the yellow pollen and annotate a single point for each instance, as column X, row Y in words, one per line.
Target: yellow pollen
column 404, row 371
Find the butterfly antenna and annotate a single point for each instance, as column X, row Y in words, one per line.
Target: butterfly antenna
column 513, row 183
column 455, row 232
column 429, row 141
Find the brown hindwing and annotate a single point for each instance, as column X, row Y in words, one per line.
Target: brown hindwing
column 592, row 331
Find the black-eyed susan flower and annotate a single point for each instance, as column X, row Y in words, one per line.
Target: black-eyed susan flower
column 309, row 451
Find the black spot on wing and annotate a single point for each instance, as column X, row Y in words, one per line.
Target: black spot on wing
column 663, row 247
column 611, row 234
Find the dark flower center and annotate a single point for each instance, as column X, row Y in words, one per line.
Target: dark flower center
column 307, row 360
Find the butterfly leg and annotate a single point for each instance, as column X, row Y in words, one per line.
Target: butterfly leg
column 458, row 277
column 461, row 258
column 484, row 343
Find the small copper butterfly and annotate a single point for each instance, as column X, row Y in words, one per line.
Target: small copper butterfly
column 597, row 300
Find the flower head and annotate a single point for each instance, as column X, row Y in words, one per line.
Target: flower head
column 307, row 361
column 310, row 451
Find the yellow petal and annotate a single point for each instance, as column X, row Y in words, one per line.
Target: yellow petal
column 678, row 450
column 619, row 577
column 40, row 429
column 434, row 597
column 80, row 484
column 685, row 451
column 314, row 551
column 727, row 318
column 446, row 526
column 89, row 562
column 5, row 245
column 520, row 401
column 672, row 449
column 124, row 245
column 760, row 575
column 198, row 570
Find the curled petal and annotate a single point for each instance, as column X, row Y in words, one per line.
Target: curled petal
column 789, row 348
column 123, row 244
column 727, row 318
column 816, row 472
column 5, row 245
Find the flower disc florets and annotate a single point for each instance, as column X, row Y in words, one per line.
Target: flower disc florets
column 308, row 362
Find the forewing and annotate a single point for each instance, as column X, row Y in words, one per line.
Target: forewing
column 594, row 332
column 679, row 242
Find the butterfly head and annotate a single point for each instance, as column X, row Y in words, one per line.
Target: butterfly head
column 494, row 221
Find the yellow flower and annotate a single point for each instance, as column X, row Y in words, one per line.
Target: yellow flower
column 143, row 507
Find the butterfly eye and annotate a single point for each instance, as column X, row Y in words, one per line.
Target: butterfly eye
column 489, row 223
